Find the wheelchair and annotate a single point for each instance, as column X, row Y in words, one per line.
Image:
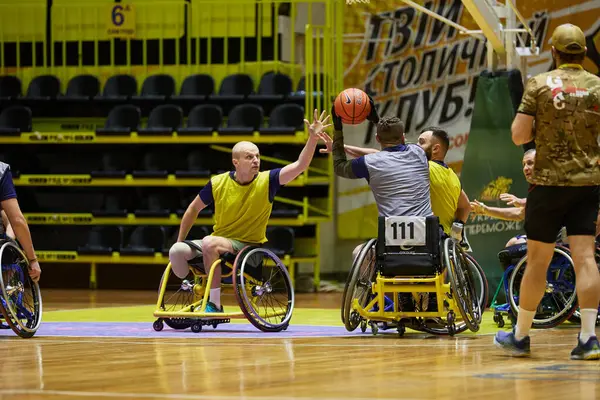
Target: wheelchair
column 20, row 297
column 559, row 302
column 261, row 284
column 411, row 257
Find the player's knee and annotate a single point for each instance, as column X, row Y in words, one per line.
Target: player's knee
column 178, row 258
column 209, row 244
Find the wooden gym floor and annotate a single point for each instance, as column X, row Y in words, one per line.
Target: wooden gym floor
column 100, row 345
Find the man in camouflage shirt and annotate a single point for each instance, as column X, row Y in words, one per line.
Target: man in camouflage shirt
column 560, row 111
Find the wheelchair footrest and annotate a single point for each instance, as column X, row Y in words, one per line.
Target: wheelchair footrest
column 213, row 321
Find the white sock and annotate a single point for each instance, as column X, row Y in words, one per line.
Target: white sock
column 524, row 321
column 215, row 297
column 588, row 324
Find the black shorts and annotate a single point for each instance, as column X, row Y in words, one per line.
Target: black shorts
column 549, row 208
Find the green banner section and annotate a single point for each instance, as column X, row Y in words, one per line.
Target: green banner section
column 492, row 165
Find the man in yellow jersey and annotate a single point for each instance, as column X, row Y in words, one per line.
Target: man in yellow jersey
column 564, row 104
column 243, row 201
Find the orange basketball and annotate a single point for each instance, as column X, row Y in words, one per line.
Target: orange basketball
column 352, row 106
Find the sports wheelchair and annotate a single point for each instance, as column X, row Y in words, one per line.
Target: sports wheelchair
column 261, row 283
column 20, row 297
column 412, row 256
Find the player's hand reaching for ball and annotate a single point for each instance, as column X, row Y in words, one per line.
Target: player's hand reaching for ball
column 373, row 115
column 318, row 125
column 337, row 121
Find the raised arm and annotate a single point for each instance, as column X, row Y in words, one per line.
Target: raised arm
column 291, row 171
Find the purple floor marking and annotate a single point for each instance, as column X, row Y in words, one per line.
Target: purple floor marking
column 145, row 330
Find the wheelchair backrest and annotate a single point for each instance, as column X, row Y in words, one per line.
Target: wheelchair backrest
column 408, row 246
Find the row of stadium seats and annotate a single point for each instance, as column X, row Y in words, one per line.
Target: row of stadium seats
column 168, row 118
column 83, row 96
column 138, row 241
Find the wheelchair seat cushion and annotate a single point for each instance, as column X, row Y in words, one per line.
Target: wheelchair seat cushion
column 512, row 254
column 228, row 257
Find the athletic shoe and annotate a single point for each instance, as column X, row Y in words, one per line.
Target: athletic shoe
column 588, row 351
column 212, row 308
column 509, row 343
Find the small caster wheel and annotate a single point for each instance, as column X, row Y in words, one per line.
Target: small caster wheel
column 500, row 322
column 214, row 325
column 451, row 330
column 158, row 325
column 363, row 326
column 197, row 327
column 374, row 328
column 401, row 330
column 496, row 317
column 285, row 327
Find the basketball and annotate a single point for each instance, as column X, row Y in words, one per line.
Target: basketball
column 352, row 106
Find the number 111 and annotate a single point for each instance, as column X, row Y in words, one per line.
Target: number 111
column 403, row 225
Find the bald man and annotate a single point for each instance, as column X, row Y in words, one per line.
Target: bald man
column 243, row 201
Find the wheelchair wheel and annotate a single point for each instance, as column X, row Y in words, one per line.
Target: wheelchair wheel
column 20, row 297
column 263, row 289
column 559, row 301
column 437, row 326
column 358, row 284
column 462, row 281
column 179, row 295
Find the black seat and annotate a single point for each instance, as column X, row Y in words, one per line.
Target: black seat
column 203, row 119
column 282, row 212
column 273, row 86
column 103, row 240
column 234, row 87
column 397, row 255
column 243, row 119
column 14, row 120
column 43, row 87
column 196, row 87
column 163, row 120
column 155, row 205
column 145, row 240
column 157, row 87
column 285, row 119
column 281, row 240
column 512, row 254
column 154, row 165
column 119, row 87
column 10, row 87
column 113, row 166
column 113, row 206
column 195, row 166
column 122, row 120
column 82, row 88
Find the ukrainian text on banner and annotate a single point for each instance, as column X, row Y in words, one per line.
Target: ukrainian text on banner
column 423, row 71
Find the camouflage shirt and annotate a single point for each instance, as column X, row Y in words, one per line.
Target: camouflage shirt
column 566, row 105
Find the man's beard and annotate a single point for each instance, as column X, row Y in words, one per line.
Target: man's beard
column 428, row 153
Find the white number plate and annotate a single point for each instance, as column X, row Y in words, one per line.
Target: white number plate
column 405, row 231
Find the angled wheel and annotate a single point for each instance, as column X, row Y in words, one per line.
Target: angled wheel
column 462, row 281
column 560, row 298
column 437, row 326
column 358, row 284
column 20, row 297
column 263, row 289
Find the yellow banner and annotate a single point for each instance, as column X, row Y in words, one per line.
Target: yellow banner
column 423, row 71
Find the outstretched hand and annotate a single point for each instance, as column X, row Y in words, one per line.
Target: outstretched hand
column 477, row 207
column 513, row 200
column 318, row 125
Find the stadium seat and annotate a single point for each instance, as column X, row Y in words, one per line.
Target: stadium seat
column 122, row 120
column 113, row 166
column 163, row 120
column 113, row 206
column 157, row 87
column 195, row 167
column 154, row 165
column 243, row 119
column 234, row 87
column 203, row 119
column 14, row 120
column 82, row 88
column 196, row 87
column 285, row 119
column 281, row 212
column 102, row 240
column 281, row 240
column 145, row 240
column 43, row 88
column 10, row 87
column 119, row 88
column 155, row 205
column 273, row 86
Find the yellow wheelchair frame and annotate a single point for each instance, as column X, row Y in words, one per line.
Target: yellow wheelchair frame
column 248, row 291
column 459, row 307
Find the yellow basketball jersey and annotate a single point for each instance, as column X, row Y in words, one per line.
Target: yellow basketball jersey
column 241, row 211
column 445, row 190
